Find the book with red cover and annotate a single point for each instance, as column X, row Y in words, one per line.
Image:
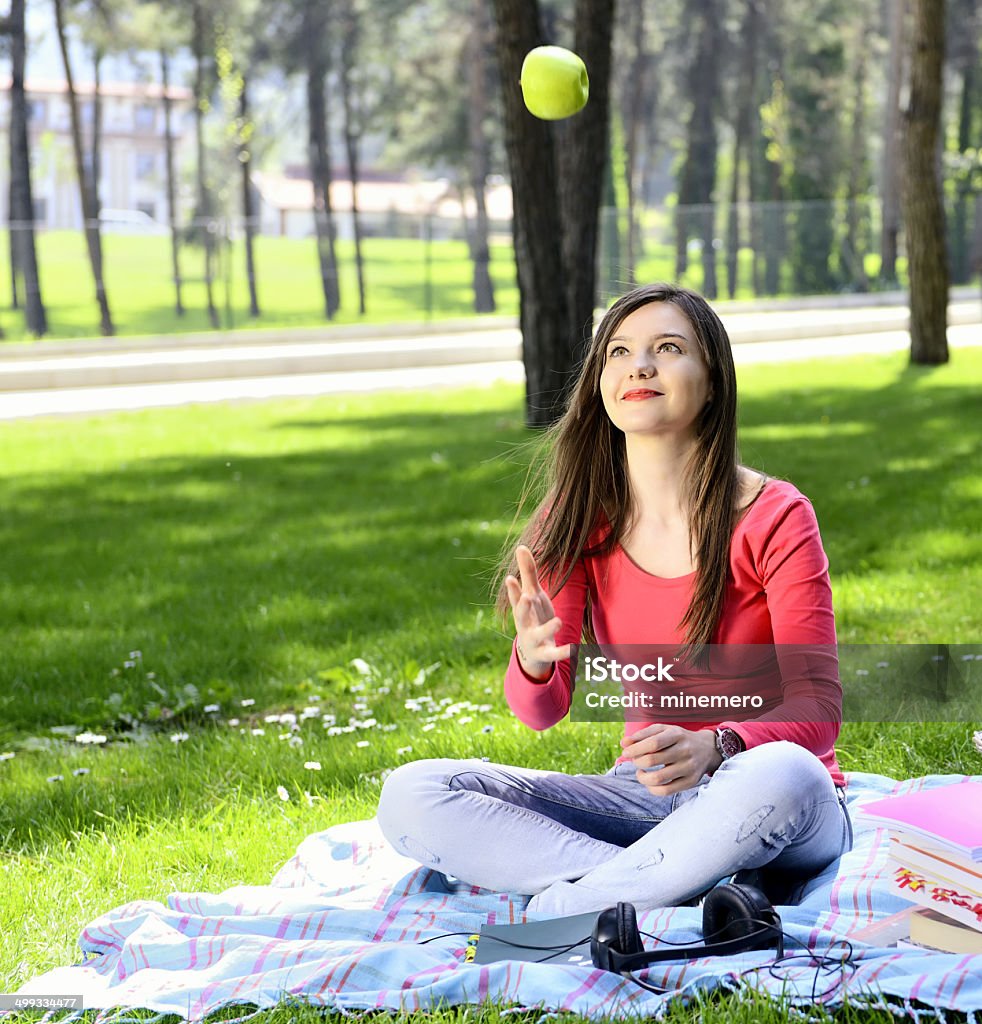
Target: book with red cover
column 918, row 887
column 946, row 816
column 952, row 869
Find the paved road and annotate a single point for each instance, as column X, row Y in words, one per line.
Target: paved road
column 87, row 400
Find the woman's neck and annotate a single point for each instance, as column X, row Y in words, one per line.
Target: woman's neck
column 655, row 469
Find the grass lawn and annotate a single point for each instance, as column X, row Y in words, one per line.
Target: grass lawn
column 141, row 293
column 158, row 563
column 402, row 283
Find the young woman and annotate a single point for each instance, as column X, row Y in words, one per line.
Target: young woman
column 651, row 532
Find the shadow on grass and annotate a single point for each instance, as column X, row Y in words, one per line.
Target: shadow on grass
column 888, row 470
column 246, row 576
column 243, row 576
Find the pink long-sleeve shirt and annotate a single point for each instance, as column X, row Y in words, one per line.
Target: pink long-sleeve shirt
column 778, row 593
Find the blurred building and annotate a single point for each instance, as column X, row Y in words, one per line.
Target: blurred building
column 133, row 181
column 388, row 207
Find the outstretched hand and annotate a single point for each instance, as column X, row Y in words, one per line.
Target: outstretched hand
column 536, row 622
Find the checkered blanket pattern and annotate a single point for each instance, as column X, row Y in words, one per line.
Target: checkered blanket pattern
column 343, row 925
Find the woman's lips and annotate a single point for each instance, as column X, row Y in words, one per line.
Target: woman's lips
column 640, row 394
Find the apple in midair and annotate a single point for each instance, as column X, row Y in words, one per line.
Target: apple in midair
column 554, row 83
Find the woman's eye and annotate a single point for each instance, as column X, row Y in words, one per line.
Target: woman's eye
column 616, row 351
column 669, row 344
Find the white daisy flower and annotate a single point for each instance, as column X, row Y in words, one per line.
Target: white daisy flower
column 90, row 737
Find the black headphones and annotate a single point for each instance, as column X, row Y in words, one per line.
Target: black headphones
column 735, row 918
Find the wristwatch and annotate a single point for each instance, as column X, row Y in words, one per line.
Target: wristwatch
column 728, row 743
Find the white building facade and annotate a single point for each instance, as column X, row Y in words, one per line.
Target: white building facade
column 133, row 174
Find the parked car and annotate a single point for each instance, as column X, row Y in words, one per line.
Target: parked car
column 130, row 222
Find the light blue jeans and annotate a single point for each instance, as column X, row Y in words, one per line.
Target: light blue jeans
column 582, row 842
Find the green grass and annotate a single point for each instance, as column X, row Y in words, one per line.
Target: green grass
column 141, row 294
column 251, row 552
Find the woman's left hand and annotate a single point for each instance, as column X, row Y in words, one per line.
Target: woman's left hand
column 669, row 758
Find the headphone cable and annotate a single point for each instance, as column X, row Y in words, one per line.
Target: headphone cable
column 558, row 950
column 823, row 962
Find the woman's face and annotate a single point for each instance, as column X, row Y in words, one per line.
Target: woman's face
column 655, row 379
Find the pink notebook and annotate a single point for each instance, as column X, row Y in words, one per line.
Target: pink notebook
column 949, row 816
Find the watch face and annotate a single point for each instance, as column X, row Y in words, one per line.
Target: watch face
column 728, row 743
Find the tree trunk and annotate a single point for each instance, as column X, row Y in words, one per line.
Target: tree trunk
column 923, row 210
column 961, row 240
column 90, row 215
column 536, row 223
column 610, row 258
column 248, row 206
column 320, row 174
column 557, row 173
column 319, row 155
column 95, row 169
column 206, row 224
column 892, row 155
column 23, row 250
column 976, row 252
column 767, row 189
column 749, row 32
column 352, row 135
column 699, row 171
column 583, row 156
column 175, row 241
column 733, row 221
column 636, row 113
column 853, row 255
column 11, row 231
column 480, row 157
column 815, row 86
column 775, row 230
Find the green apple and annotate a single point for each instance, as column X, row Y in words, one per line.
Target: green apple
column 554, row 83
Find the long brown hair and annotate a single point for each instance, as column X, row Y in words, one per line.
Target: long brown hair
column 587, row 486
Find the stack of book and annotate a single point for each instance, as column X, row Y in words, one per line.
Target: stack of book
column 936, row 862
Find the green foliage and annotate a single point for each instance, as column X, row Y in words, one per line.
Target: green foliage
column 427, row 89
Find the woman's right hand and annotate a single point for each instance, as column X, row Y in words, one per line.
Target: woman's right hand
column 536, row 623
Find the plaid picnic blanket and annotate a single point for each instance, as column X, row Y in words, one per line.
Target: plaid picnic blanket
column 343, row 925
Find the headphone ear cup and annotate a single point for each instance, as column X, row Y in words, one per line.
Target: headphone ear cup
column 627, row 924
column 606, row 933
column 615, row 931
column 734, row 911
